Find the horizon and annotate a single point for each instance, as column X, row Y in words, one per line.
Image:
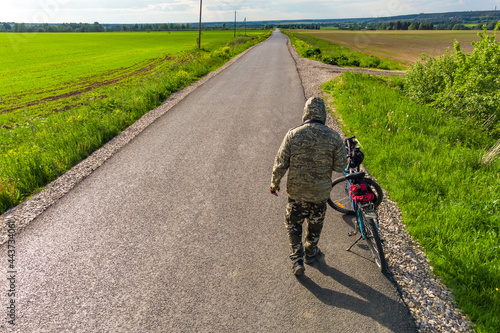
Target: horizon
column 188, row 11
column 256, row 21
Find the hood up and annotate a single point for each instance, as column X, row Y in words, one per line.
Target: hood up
column 314, row 110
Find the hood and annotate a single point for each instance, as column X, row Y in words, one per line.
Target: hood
column 314, row 109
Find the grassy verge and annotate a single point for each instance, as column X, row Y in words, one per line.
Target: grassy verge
column 328, row 53
column 42, row 148
column 432, row 164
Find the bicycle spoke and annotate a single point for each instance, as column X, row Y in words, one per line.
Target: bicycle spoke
column 339, row 197
column 373, row 240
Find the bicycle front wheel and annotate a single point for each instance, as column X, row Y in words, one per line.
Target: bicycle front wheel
column 339, row 196
column 374, row 243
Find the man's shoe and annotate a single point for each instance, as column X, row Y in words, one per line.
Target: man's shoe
column 298, row 268
column 316, row 257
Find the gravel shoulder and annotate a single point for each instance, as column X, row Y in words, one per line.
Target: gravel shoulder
column 429, row 301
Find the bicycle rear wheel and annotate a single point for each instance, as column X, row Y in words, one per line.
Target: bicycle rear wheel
column 375, row 189
column 339, row 197
column 374, row 242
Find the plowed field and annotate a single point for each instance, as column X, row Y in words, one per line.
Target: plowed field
column 406, row 46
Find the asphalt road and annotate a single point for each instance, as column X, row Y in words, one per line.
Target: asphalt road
column 177, row 232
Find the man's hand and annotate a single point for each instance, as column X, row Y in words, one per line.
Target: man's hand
column 274, row 192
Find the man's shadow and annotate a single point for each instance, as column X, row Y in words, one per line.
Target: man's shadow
column 371, row 302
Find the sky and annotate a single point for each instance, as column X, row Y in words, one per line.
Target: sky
column 188, row 11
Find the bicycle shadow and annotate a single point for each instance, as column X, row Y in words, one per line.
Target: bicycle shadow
column 371, row 303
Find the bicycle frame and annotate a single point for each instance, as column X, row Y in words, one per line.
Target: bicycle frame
column 357, row 209
column 369, row 214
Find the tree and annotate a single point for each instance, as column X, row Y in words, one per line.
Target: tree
column 96, row 27
column 491, row 26
column 459, row 27
column 414, row 26
column 426, row 26
column 19, row 27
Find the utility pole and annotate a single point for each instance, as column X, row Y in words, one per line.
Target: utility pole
column 199, row 28
column 234, row 23
column 245, row 23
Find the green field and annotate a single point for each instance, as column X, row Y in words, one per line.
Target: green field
column 64, row 95
column 46, row 67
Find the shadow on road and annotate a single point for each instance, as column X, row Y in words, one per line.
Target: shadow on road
column 370, row 302
column 365, row 254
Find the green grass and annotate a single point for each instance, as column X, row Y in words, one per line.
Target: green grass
column 329, row 53
column 40, row 67
column 47, row 139
column 431, row 164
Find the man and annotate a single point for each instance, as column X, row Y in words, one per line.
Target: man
column 310, row 152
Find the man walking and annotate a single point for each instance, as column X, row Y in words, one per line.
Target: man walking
column 310, row 153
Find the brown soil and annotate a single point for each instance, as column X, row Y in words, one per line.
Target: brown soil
column 405, row 46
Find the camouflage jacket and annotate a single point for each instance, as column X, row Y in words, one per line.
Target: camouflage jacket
column 310, row 153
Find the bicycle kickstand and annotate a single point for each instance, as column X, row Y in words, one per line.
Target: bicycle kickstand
column 357, row 240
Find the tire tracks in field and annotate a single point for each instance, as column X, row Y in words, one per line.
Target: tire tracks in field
column 90, row 84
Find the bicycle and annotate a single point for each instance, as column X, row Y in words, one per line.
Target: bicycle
column 360, row 196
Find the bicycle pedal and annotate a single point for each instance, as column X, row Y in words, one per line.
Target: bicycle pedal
column 352, row 233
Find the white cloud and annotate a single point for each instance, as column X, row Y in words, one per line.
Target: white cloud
column 152, row 11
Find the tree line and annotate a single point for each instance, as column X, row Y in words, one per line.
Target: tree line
column 450, row 21
column 97, row 27
column 393, row 25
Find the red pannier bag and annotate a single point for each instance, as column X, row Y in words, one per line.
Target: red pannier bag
column 360, row 193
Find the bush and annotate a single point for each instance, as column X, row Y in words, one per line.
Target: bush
column 313, row 52
column 223, row 53
column 466, row 85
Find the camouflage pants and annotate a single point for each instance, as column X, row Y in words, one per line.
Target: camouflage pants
column 314, row 215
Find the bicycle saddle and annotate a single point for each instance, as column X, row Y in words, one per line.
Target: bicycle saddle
column 356, row 175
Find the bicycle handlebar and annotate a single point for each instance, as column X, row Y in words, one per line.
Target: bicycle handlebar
column 350, row 143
